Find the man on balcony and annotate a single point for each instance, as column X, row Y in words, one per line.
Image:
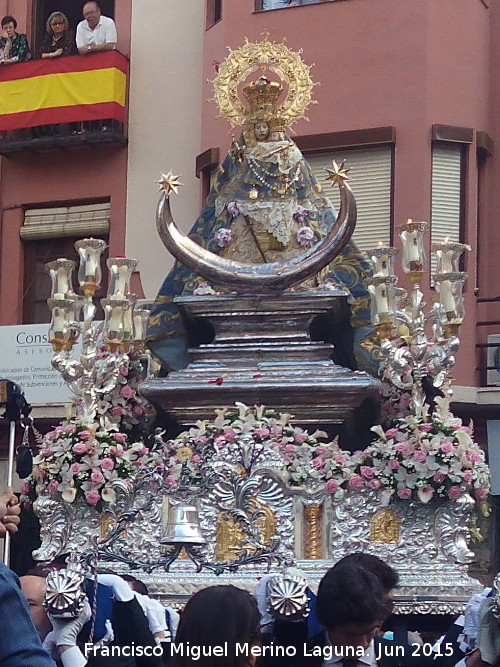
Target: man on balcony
column 95, row 33
column 14, row 47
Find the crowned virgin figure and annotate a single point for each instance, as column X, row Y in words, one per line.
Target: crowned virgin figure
column 266, row 205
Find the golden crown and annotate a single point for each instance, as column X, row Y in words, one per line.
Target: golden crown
column 262, row 96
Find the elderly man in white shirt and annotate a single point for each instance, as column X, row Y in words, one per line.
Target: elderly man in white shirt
column 95, row 33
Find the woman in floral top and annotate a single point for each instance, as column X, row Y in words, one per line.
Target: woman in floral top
column 14, row 47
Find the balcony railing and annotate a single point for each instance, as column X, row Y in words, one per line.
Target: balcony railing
column 63, row 102
column 488, row 345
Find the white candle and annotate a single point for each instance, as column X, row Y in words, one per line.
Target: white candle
column 62, row 282
column 380, row 294
column 127, row 323
column 139, row 334
column 446, row 259
column 58, row 320
column 115, row 321
column 90, row 264
column 411, row 245
column 446, row 297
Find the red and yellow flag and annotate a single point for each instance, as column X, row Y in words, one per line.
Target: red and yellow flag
column 63, row 90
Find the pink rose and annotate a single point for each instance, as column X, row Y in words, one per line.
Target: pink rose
column 367, row 472
column 120, row 437
column 92, row 497
column 116, row 411
column 201, row 440
column 391, row 432
column 47, row 451
column 70, row 428
column 401, row 447
column 170, row 480
column 145, row 450
column 446, row 447
column 127, row 392
column 290, row 448
column 85, row 435
column 79, row 448
column 426, row 427
column 454, row 492
column 52, row 486
column 331, row 486
column 97, row 477
column 230, row 434
column 340, row 459
column 404, row 494
column 420, row 456
column 405, row 400
column 107, row 464
column 473, row 456
column 438, row 476
column 75, row 468
column 393, row 464
column 124, row 371
column 481, row 493
column 262, row 432
column 468, row 476
column 138, row 410
column 374, row 484
column 318, row 463
column 300, row 438
column 321, row 451
column 25, row 487
column 355, row 483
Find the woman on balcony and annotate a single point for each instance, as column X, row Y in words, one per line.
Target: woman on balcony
column 59, row 39
column 14, row 47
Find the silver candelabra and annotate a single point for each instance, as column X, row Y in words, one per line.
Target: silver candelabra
column 105, row 345
column 417, row 344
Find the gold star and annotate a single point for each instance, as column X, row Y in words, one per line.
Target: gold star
column 338, row 174
column 169, row 183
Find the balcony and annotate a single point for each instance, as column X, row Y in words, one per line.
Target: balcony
column 63, row 103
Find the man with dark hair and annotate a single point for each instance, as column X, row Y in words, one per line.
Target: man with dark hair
column 14, row 47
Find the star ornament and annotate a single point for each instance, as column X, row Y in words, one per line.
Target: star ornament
column 169, row 183
column 338, row 174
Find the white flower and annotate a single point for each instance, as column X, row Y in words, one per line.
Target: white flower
column 108, row 495
column 69, row 494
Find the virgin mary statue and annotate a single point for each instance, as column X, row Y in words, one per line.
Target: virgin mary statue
column 265, row 205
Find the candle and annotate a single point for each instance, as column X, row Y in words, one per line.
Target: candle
column 446, row 297
column 410, row 239
column 379, row 292
column 62, row 282
column 115, row 321
column 139, row 333
column 58, row 320
column 122, row 279
column 381, row 262
column 127, row 323
column 91, row 264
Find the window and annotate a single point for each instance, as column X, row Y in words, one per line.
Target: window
column 447, row 193
column 49, row 234
column 370, row 179
column 73, row 10
column 214, row 12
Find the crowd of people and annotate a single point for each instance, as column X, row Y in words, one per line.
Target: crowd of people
column 119, row 623
column 96, row 33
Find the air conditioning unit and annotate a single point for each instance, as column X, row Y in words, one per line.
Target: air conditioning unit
column 493, row 357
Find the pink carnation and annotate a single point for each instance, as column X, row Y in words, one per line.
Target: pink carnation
column 446, row 447
column 230, row 434
column 127, row 392
column 391, row 432
column 374, row 484
column 97, row 477
column 355, row 483
column 120, row 437
column 426, row 427
column 75, row 468
column 321, row 450
column 300, row 438
column 25, row 487
column 47, row 451
column 290, row 448
column 404, row 494
column 262, row 432
column 331, row 486
column 79, row 448
column 454, row 492
column 367, row 472
column 107, row 464
column 92, row 497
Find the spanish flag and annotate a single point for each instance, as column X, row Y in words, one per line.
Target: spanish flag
column 63, row 90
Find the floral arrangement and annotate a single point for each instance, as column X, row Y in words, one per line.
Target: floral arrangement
column 81, row 460
column 124, row 408
column 420, row 458
column 305, row 456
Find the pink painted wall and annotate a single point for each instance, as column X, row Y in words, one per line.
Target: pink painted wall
column 383, row 62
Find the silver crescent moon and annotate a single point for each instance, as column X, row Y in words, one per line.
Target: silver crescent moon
column 256, row 277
